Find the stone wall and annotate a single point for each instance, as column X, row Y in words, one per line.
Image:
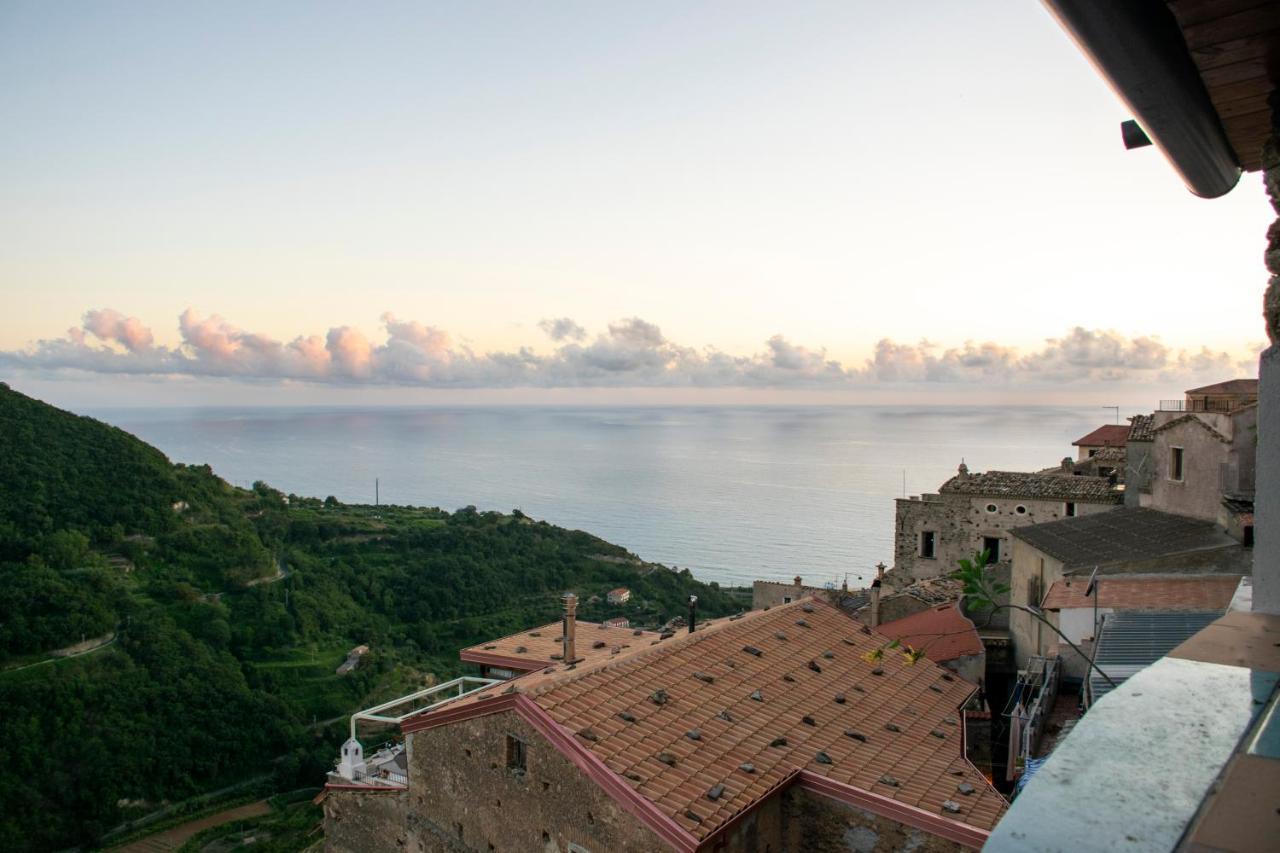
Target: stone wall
column 960, row 524
column 1137, row 472
column 1199, row 493
column 371, row 822
column 818, row 824
column 772, row 593
column 460, row 784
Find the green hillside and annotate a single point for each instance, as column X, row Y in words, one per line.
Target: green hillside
column 223, row 612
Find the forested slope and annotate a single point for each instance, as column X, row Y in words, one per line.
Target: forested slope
column 230, row 609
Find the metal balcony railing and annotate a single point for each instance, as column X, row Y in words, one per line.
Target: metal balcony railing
column 1222, row 406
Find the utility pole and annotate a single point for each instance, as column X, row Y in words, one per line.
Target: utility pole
column 376, row 494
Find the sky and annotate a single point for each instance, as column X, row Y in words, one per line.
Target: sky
column 660, row 201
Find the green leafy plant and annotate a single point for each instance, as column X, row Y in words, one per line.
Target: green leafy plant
column 984, row 593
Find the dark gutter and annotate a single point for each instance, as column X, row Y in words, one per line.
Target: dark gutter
column 1137, row 46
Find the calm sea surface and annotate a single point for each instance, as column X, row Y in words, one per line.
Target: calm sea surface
column 731, row 493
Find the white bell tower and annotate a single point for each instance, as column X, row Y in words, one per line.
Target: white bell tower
column 351, row 765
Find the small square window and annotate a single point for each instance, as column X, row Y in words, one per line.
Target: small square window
column 786, row 599
column 516, row 759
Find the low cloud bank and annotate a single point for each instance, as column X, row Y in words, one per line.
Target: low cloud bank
column 628, row 353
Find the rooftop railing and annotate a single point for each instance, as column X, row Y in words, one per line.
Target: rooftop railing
column 435, row 695
column 1198, row 404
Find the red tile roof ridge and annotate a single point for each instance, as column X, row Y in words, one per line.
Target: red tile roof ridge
column 932, row 769
column 659, row 647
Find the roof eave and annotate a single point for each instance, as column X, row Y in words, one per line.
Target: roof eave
column 1138, row 48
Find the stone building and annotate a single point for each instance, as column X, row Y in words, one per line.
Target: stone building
column 773, row 730
column 1195, row 453
column 772, row 593
column 976, row 512
column 1222, row 397
column 1128, row 541
column 1198, row 459
column 1110, row 435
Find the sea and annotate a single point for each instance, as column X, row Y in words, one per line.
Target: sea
column 733, row 494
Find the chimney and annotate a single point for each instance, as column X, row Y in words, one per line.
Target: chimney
column 570, row 627
column 1068, row 464
column 799, row 584
column 875, row 596
column 693, row 613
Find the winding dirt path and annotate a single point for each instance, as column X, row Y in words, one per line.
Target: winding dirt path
column 174, row 837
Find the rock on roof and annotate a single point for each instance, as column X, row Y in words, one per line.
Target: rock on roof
column 540, row 647
column 1018, row 484
column 746, row 704
column 943, row 632
column 1124, row 534
column 1111, row 435
column 1231, row 386
column 1140, row 427
column 1146, row 592
column 934, row 590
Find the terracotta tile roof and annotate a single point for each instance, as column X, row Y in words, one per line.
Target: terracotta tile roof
column 1111, row 435
column 1231, row 386
column 540, row 647
column 1018, row 484
column 1146, row 592
column 1140, row 427
column 943, row 632
column 775, row 691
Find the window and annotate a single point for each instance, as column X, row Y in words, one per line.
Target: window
column 1092, row 452
column 1246, row 536
column 515, row 754
column 991, row 508
column 928, row 544
column 991, row 544
column 1020, row 509
column 1175, row 463
column 786, row 599
column 1070, row 510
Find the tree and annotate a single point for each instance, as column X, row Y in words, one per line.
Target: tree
column 983, row 593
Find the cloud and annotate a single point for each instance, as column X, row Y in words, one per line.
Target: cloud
column 112, row 326
column 562, row 329
column 631, row 352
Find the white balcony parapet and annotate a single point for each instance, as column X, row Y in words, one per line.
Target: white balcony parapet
column 384, row 768
column 446, row 692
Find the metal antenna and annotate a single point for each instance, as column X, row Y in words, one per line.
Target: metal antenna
column 1115, row 409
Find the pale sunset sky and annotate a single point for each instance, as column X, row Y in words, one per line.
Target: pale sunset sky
column 407, row 202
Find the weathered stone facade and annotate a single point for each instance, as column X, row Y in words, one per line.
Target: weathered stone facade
column 1218, row 453
column 818, row 824
column 460, row 783
column 462, row 797
column 962, row 524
